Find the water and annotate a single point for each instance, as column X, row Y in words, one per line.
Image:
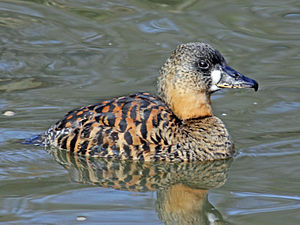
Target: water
column 57, row 55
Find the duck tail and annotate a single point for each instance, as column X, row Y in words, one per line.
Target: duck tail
column 38, row 140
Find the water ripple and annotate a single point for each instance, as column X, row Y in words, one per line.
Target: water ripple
column 282, row 107
column 252, row 194
column 292, row 16
column 291, row 147
column 267, row 201
column 10, row 65
column 158, row 26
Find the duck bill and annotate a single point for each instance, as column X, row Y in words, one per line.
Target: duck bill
column 230, row 78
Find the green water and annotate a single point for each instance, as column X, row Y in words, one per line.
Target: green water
column 57, row 55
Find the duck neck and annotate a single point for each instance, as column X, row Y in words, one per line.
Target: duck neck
column 186, row 100
column 189, row 105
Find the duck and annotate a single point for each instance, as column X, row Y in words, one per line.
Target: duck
column 177, row 124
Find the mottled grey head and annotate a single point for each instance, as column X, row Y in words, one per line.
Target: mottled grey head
column 193, row 71
column 201, row 67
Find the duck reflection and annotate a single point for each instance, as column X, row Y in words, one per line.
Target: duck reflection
column 182, row 188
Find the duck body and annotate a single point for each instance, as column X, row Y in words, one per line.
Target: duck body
column 139, row 127
column 178, row 125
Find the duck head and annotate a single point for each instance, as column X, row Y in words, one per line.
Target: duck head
column 191, row 74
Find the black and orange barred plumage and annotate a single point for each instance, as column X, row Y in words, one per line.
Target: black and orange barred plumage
column 137, row 126
column 177, row 126
column 131, row 127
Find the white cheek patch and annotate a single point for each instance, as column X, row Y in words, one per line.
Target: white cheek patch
column 215, row 76
column 214, row 88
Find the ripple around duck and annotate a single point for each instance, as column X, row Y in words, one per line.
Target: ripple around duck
column 277, row 149
column 17, row 166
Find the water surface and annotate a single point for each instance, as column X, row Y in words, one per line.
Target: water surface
column 57, row 55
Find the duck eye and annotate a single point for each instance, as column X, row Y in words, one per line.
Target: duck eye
column 203, row 64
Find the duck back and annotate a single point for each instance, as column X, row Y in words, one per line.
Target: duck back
column 137, row 126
